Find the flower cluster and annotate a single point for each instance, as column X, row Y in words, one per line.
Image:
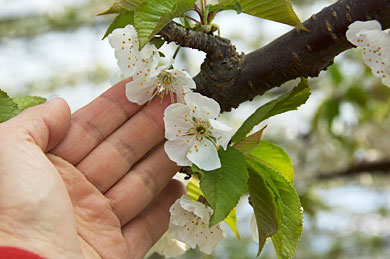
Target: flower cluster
column 192, row 130
column 375, row 44
column 190, row 223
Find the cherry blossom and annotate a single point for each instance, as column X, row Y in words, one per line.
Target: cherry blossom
column 160, row 82
column 375, row 44
column 189, row 223
column 168, row 246
column 193, row 132
column 131, row 60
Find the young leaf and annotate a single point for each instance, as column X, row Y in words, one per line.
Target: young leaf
column 224, row 186
column 25, row 102
column 263, row 202
column 193, row 189
column 153, row 15
column 274, row 10
column 288, row 207
column 120, row 22
column 274, row 157
column 287, row 102
column 123, row 6
column 8, row 108
column 249, row 143
column 231, row 220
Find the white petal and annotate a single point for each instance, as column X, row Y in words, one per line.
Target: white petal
column 168, row 247
column 182, row 85
column 121, row 36
column 177, row 149
column 140, row 91
column 204, row 155
column 198, row 208
column 359, row 27
column 207, row 107
column 175, row 120
column 221, row 132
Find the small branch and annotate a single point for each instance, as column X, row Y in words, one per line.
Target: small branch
column 222, row 65
column 378, row 167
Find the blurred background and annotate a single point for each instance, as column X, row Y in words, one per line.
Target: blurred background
column 339, row 141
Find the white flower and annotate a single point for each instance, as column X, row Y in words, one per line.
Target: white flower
column 189, row 223
column 375, row 44
column 193, row 133
column 130, row 59
column 160, row 82
column 168, row 247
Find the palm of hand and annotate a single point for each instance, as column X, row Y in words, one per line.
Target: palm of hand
column 106, row 195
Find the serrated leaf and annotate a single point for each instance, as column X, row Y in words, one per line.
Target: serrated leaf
column 288, row 207
column 153, row 15
column 264, row 205
column 123, row 6
column 231, row 220
column 193, row 189
column 236, row 7
column 274, row 10
column 224, row 186
column 287, row 102
column 276, row 158
column 25, row 102
column 8, row 108
column 120, row 22
column 249, row 143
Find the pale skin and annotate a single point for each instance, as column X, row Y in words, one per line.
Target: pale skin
column 94, row 184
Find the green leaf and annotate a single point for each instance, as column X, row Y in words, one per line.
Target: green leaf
column 276, row 158
column 236, row 7
column 288, row 207
column 120, row 22
column 153, row 15
column 231, row 220
column 224, row 186
column 287, row 102
column 274, row 10
column 263, row 201
column 8, row 108
column 123, row 6
column 249, row 143
column 25, row 102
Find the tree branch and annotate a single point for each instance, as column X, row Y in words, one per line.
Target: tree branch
column 295, row 54
column 381, row 167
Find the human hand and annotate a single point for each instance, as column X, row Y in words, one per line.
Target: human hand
column 96, row 184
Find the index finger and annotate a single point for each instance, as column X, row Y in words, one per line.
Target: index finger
column 93, row 123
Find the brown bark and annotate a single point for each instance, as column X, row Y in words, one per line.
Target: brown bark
column 231, row 79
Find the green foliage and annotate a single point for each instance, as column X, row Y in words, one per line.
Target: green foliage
column 123, row 6
column 153, row 15
column 224, row 186
column 231, row 220
column 193, row 189
column 8, row 108
column 288, row 207
column 287, row 102
column 274, row 157
column 249, row 143
column 25, row 102
column 263, row 201
column 120, row 22
column 274, row 10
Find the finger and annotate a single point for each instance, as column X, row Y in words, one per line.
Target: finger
column 45, row 124
column 114, row 157
column 94, row 122
column 143, row 232
column 142, row 184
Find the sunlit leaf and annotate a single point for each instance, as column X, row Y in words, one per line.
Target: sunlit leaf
column 224, row 186
column 287, row 102
column 8, row 108
column 123, row 6
column 120, row 22
column 249, row 143
column 274, row 10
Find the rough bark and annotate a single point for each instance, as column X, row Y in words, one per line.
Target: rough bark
column 232, row 78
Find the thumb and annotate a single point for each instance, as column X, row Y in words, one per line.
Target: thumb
column 46, row 124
